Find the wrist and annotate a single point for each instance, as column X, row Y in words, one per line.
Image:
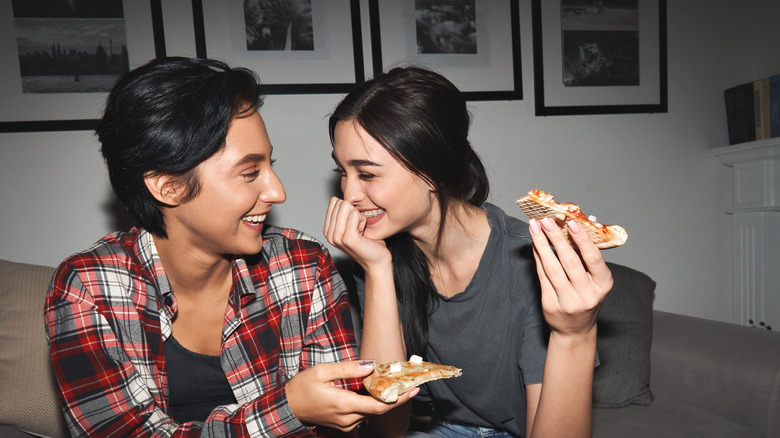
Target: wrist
column 380, row 268
column 581, row 337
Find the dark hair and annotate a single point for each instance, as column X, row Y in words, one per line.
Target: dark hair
column 421, row 119
column 166, row 117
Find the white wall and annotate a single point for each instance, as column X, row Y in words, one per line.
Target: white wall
column 652, row 173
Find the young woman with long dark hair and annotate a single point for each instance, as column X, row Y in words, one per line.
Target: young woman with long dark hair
column 447, row 276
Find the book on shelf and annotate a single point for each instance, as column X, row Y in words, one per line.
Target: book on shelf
column 740, row 113
column 753, row 110
column 761, row 107
column 774, row 106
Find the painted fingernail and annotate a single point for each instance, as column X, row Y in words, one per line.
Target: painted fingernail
column 548, row 224
column 366, row 365
column 414, row 392
column 534, row 226
column 575, row 227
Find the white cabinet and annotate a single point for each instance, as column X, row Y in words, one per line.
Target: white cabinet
column 756, row 217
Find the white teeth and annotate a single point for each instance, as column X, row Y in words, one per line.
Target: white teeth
column 255, row 219
column 372, row 213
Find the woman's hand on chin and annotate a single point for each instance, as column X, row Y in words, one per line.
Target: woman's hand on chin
column 344, row 228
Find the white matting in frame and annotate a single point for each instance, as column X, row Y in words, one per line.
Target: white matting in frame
column 554, row 97
column 491, row 72
column 331, row 61
column 33, row 107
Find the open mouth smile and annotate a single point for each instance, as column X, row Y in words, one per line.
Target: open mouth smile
column 373, row 213
column 254, row 219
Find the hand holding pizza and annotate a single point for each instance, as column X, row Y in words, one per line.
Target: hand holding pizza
column 315, row 399
column 574, row 282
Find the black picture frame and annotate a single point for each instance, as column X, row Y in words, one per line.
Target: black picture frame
column 271, row 69
column 497, row 55
column 553, row 97
column 151, row 24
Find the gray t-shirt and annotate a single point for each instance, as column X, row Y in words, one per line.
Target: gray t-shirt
column 494, row 330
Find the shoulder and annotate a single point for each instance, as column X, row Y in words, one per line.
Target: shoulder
column 288, row 247
column 300, row 260
column 278, row 240
column 107, row 263
column 112, row 250
column 507, row 224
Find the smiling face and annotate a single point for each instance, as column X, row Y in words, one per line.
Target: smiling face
column 392, row 198
column 238, row 188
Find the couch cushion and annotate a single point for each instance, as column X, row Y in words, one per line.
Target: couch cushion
column 28, row 399
column 665, row 418
column 625, row 326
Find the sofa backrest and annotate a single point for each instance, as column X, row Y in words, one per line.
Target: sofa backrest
column 28, row 399
column 719, row 367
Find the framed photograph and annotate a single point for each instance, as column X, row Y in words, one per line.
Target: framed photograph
column 474, row 43
column 599, row 57
column 64, row 57
column 295, row 46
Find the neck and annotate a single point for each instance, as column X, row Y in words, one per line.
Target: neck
column 193, row 272
column 453, row 260
column 465, row 230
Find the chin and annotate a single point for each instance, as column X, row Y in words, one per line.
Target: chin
column 250, row 247
column 376, row 234
column 255, row 249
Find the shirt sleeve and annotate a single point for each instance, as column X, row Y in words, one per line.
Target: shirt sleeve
column 102, row 390
column 329, row 335
column 533, row 350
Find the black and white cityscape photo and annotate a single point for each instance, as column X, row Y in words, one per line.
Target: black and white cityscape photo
column 446, row 26
column 279, row 25
column 70, row 46
column 600, row 42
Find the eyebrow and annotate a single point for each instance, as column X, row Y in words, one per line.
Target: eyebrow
column 356, row 162
column 250, row 158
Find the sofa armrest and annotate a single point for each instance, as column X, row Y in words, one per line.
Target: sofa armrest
column 724, row 368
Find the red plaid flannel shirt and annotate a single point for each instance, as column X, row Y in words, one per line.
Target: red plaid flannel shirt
column 109, row 312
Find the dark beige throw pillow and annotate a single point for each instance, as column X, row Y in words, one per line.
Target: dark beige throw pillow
column 28, row 400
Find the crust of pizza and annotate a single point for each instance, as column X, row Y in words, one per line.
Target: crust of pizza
column 538, row 204
column 387, row 385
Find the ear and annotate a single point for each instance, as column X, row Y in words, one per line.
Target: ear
column 429, row 183
column 163, row 188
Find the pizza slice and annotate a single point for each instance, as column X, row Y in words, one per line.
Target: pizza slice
column 538, row 204
column 390, row 380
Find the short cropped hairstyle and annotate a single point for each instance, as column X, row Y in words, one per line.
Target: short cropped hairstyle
column 167, row 117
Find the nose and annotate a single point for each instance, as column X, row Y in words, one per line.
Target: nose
column 273, row 192
column 351, row 189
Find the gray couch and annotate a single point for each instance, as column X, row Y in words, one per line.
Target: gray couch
column 707, row 378
column 700, row 379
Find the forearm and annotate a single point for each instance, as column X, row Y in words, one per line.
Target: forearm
column 382, row 335
column 382, row 341
column 565, row 403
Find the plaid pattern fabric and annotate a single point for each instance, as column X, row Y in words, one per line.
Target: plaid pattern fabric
column 109, row 312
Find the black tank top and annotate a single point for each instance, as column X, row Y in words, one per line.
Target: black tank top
column 196, row 383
